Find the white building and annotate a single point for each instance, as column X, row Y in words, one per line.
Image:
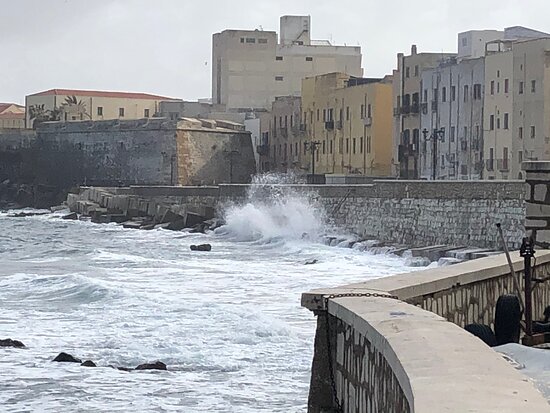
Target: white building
column 251, row 67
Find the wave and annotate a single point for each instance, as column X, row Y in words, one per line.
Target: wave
column 274, row 212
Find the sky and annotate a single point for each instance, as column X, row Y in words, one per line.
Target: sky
column 164, row 46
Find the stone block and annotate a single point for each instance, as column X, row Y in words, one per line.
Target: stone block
column 537, row 210
column 540, row 192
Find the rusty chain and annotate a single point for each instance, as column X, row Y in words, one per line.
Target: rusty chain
column 339, row 406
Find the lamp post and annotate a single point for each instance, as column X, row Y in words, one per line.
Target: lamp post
column 436, row 135
column 312, row 147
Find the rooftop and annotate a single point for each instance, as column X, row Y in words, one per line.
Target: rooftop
column 100, row 93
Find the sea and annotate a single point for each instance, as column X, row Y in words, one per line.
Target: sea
column 227, row 323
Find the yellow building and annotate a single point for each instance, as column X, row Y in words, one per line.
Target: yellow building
column 12, row 116
column 350, row 118
column 68, row 104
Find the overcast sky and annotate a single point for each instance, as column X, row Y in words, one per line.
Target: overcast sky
column 164, row 46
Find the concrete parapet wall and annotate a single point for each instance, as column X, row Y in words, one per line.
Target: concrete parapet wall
column 437, row 365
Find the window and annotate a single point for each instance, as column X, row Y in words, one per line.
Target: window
column 521, row 88
column 498, row 73
column 453, row 93
column 309, row 59
column 533, row 86
column 466, row 92
column 280, row 122
column 291, row 120
column 407, row 72
column 369, row 142
column 145, row 113
column 278, row 57
column 465, row 132
column 444, row 94
column 425, row 95
column 452, row 134
column 286, row 121
column 520, row 156
column 498, row 122
column 369, row 111
column 100, row 111
column 498, row 87
column 464, row 41
column 506, row 85
column 361, row 144
column 324, row 147
column 347, row 145
column 362, row 111
column 250, row 40
column 242, row 39
column 317, row 115
column 262, row 41
column 520, row 132
column 353, row 145
column 121, row 112
column 477, row 91
column 330, row 146
column 442, row 161
column 296, row 148
column 347, row 112
column 290, row 149
column 505, row 158
column 435, row 95
column 505, row 121
column 492, row 122
column 279, row 78
column 492, row 87
column 416, row 70
column 533, row 132
column 324, row 115
column 477, row 131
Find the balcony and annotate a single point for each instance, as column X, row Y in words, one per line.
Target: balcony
column 339, row 124
column 405, row 109
column 329, row 125
column 263, row 150
column 303, row 127
column 415, row 108
column 367, row 121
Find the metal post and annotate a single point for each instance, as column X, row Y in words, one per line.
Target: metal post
column 527, row 252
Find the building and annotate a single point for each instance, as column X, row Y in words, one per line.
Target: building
column 152, row 151
column 12, row 116
column 70, row 104
column 282, row 137
column 348, row 120
column 517, row 102
column 251, row 67
column 406, row 113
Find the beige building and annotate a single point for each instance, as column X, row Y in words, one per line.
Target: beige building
column 350, row 118
column 517, row 103
column 69, row 104
column 406, row 112
column 251, row 67
column 12, row 116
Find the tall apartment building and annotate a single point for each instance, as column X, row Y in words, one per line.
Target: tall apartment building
column 350, row 119
column 517, row 102
column 251, row 67
column 12, row 116
column 406, row 113
column 70, row 104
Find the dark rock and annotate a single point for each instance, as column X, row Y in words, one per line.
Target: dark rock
column 158, row 365
column 192, row 219
column 120, row 368
column 199, row 228
column 176, row 225
column 66, row 358
column 88, row 363
column 72, row 215
column 27, row 214
column 214, row 223
column 147, row 227
column 313, row 261
column 8, row 342
column 201, row 247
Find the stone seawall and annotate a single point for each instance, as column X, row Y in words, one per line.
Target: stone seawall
column 415, row 213
column 402, row 355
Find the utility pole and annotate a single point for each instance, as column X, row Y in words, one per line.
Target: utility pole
column 312, row 147
column 436, row 135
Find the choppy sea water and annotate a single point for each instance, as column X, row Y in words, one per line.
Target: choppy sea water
column 227, row 323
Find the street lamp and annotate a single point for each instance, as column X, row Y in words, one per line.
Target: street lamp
column 436, row 135
column 312, row 147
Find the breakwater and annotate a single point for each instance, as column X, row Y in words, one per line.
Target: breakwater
column 414, row 213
